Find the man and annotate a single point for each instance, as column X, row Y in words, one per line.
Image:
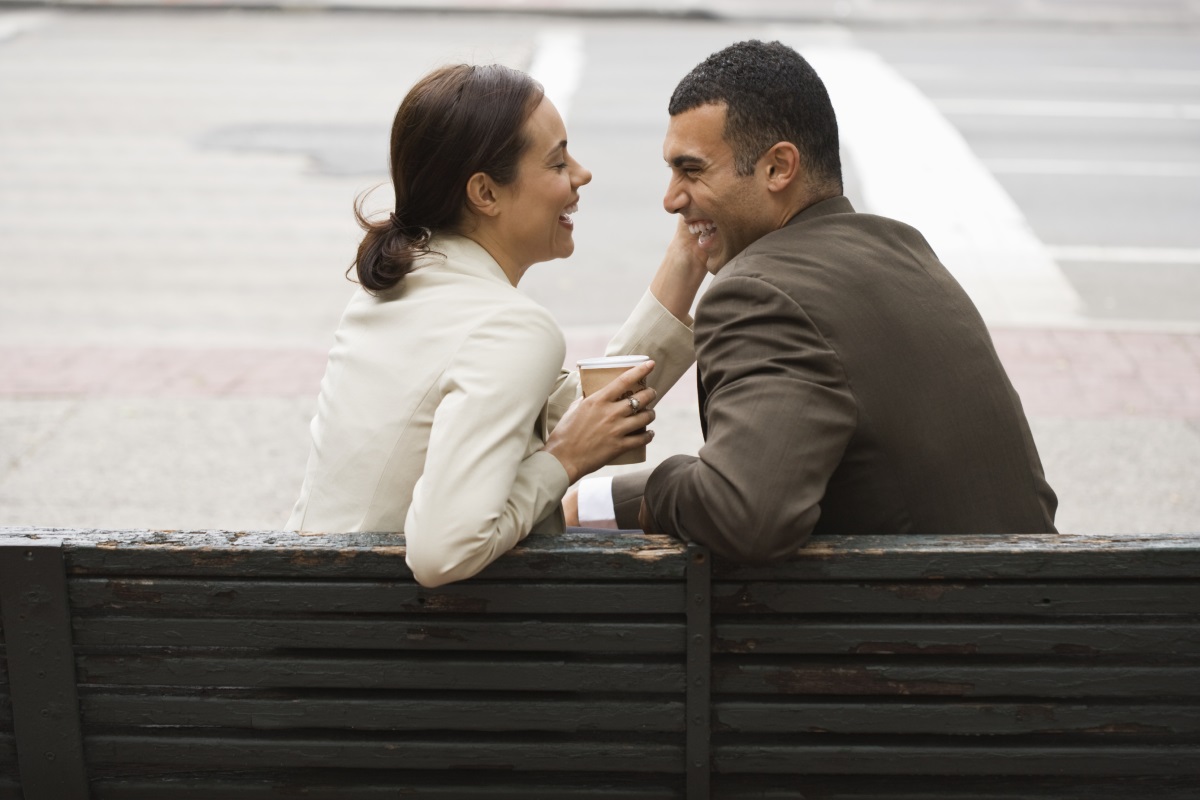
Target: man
column 847, row 383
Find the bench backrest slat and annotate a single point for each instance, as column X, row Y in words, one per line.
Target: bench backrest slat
column 218, row 597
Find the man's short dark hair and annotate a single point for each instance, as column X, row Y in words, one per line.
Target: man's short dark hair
column 771, row 95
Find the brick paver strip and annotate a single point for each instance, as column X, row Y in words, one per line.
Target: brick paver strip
column 159, row 372
column 1067, row 373
column 1090, row 373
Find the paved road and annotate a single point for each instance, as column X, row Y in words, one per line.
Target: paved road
column 175, row 190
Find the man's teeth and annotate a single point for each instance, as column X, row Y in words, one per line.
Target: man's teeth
column 704, row 232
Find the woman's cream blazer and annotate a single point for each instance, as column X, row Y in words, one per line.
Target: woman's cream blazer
column 436, row 402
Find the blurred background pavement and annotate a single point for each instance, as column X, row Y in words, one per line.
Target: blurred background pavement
column 176, row 183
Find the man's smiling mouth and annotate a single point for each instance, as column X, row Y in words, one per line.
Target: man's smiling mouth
column 705, row 229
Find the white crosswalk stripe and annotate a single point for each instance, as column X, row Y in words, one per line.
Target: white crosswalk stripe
column 1012, row 107
column 916, row 167
column 557, row 64
column 1127, row 255
column 1125, row 169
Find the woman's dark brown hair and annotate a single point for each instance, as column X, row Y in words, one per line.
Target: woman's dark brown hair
column 454, row 122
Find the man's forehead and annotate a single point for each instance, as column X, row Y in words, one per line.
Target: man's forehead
column 697, row 134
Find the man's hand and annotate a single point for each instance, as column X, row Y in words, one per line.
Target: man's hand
column 570, row 505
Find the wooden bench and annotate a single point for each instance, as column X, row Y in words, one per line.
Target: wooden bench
column 142, row 665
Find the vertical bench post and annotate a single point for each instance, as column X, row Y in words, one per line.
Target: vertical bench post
column 699, row 669
column 41, row 670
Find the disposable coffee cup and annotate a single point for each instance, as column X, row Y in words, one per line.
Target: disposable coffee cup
column 596, row 373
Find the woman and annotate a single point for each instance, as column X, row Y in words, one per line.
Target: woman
column 444, row 411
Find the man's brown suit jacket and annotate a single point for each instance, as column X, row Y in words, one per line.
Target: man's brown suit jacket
column 847, row 385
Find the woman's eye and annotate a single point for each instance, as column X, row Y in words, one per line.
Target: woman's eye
column 561, row 167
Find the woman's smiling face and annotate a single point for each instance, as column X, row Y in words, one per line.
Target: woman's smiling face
column 536, row 222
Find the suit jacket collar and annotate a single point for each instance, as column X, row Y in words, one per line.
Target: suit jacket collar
column 822, row 208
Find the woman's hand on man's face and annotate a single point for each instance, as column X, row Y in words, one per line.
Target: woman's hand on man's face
column 685, row 251
column 683, row 269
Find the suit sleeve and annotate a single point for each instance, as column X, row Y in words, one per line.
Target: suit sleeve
column 780, row 415
column 480, row 493
column 627, row 491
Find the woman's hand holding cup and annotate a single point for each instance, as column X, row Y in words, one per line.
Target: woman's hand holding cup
column 607, row 423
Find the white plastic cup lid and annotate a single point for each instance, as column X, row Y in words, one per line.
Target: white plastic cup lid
column 609, row 362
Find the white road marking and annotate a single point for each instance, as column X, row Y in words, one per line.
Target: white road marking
column 914, row 166
column 1106, row 76
column 557, row 64
column 13, row 23
column 1127, row 255
column 1081, row 109
column 1123, row 169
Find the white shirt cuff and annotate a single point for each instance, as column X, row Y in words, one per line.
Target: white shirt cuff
column 596, row 508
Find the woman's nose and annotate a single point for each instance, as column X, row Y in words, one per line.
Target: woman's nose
column 583, row 176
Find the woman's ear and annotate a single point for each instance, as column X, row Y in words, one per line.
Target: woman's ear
column 482, row 195
column 782, row 164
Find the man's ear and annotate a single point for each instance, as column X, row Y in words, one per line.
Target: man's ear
column 782, row 165
column 482, row 195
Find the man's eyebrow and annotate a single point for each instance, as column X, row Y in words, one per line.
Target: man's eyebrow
column 679, row 162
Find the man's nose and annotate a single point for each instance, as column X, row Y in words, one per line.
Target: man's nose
column 674, row 201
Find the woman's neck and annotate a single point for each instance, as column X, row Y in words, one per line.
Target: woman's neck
column 483, row 237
